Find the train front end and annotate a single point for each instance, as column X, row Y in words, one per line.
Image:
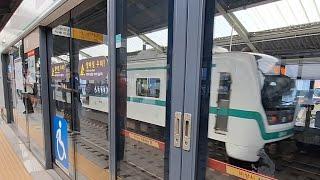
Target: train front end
column 251, row 104
column 277, row 97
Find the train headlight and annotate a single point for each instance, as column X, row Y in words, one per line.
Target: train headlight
column 283, row 119
column 279, row 117
column 273, row 119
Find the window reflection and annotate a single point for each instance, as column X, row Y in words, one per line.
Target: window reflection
column 148, row 87
column 265, row 124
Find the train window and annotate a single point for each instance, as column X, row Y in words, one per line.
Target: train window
column 224, row 92
column 148, row 87
column 224, row 86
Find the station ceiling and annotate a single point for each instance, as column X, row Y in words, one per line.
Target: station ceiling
column 7, row 8
column 283, row 28
column 153, row 14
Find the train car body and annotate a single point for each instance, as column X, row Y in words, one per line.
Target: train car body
column 237, row 114
column 146, row 87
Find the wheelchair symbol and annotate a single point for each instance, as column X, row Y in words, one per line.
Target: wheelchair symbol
column 60, row 144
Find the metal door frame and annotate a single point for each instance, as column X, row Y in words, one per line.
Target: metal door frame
column 45, row 53
column 178, row 70
column 197, row 84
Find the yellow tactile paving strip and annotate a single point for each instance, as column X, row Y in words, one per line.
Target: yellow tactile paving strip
column 11, row 168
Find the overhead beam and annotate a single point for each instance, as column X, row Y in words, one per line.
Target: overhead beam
column 273, row 35
column 238, row 27
column 4, row 11
column 243, row 4
column 146, row 39
column 63, row 60
column 85, row 54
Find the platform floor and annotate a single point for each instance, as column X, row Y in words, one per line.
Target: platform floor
column 10, row 167
column 16, row 161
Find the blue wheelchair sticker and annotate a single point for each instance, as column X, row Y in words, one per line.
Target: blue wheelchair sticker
column 60, row 130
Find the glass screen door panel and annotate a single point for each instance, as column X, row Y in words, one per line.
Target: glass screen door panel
column 142, row 84
column 91, row 90
column 79, row 70
column 61, row 88
column 33, row 102
column 20, row 106
column 262, row 117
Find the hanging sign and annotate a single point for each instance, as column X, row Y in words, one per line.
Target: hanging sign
column 60, row 144
column 31, row 72
column 58, row 71
column 87, row 35
column 93, row 68
column 60, row 30
column 31, row 53
column 80, row 34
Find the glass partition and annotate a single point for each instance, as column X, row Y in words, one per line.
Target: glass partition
column 61, row 87
column 19, row 105
column 262, row 120
column 142, row 86
column 33, row 103
column 90, row 101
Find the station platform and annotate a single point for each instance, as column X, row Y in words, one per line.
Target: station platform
column 17, row 162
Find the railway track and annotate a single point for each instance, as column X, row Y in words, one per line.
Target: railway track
column 304, row 167
column 131, row 166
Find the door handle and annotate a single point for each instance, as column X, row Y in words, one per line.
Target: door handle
column 186, row 131
column 177, row 129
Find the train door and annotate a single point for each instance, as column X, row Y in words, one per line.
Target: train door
column 80, row 92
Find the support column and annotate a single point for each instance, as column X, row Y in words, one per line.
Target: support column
column 45, row 36
column 6, row 88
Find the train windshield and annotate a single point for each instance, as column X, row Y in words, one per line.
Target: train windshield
column 278, row 91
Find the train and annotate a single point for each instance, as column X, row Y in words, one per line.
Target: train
column 247, row 110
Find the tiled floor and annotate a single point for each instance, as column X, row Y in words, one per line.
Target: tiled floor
column 16, row 160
